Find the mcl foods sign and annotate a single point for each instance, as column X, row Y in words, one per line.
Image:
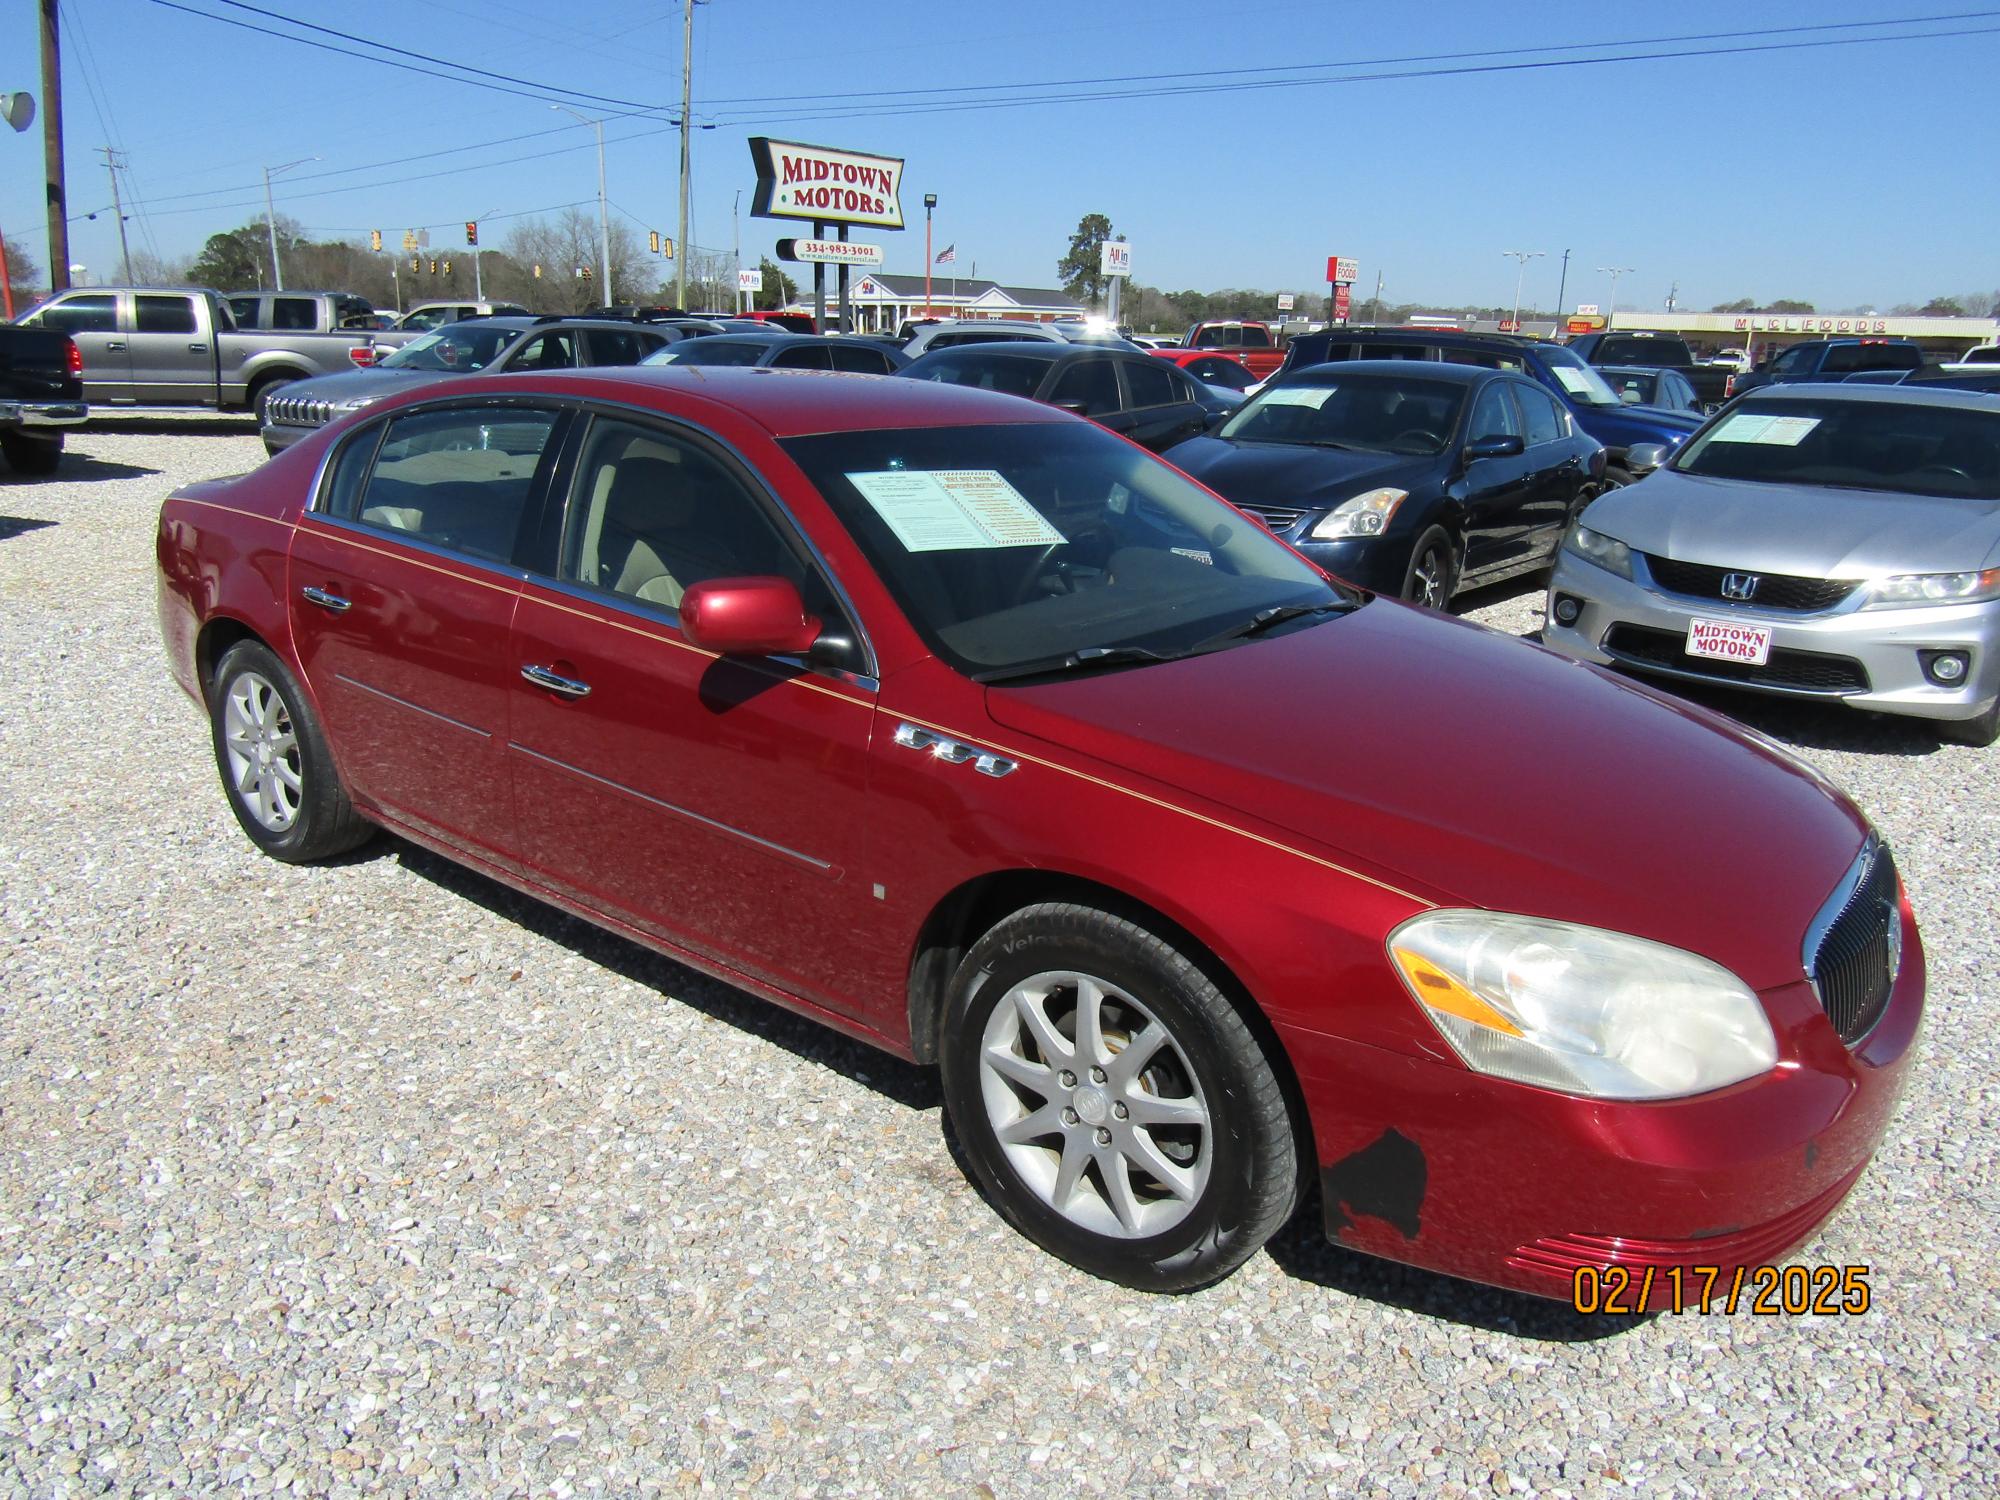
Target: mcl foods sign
column 1765, row 324
column 796, row 181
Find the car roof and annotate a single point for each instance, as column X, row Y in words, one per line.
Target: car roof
column 1427, row 369
column 1631, row 369
column 1049, row 351
column 785, row 403
column 1902, row 395
column 1437, row 336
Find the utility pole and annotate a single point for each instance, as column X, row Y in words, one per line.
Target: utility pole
column 1562, row 286
column 52, row 148
column 111, row 165
column 1375, row 306
column 736, row 246
column 687, row 124
column 1521, row 259
column 271, row 219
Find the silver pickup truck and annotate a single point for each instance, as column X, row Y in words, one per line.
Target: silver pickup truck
column 179, row 346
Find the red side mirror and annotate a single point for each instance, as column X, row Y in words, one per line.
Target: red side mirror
column 748, row 617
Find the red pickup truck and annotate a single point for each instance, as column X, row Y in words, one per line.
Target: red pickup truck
column 1252, row 343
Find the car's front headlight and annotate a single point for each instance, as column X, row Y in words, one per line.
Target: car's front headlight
column 1934, row 588
column 1581, row 1010
column 1607, row 552
column 1364, row 515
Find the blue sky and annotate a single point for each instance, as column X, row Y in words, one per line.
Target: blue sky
column 1846, row 175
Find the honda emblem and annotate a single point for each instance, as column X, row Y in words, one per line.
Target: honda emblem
column 1741, row 587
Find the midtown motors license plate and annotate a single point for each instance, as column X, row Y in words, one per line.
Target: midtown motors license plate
column 1724, row 640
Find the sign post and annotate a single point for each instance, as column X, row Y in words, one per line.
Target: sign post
column 826, row 185
column 1114, row 262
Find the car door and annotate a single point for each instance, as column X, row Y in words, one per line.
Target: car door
column 173, row 356
column 1556, row 473
column 1496, row 489
column 1160, row 403
column 402, row 586
column 91, row 320
column 1088, row 387
column 714, row 803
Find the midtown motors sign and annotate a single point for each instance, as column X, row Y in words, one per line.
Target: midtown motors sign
column 796, row 181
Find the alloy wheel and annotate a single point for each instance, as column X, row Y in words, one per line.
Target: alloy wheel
column 1094, row 1105
column 262, row 748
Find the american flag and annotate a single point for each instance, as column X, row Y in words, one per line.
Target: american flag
column 949, row 253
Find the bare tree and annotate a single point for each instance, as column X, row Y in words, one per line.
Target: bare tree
column 549, row 259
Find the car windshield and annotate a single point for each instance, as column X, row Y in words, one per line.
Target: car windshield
column 708, row 351
column 1900, row 446
column 458, row 347
column 1023, row 548
column 1578, row 380
column 1369, row 413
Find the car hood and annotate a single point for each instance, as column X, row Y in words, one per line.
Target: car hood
column 1798, row 529
column 361, row 385
column 1622, row 426
column 1471, row 768
column 1293, row 475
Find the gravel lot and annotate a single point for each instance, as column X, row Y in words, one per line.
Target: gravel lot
column 377, row 1178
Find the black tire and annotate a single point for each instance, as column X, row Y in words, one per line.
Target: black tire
column 1432, row 576
column 32, row 455
column 263, row 388
column 1240, row 1160
column 306, row 819
column 1615, row 478
column 1978, row 733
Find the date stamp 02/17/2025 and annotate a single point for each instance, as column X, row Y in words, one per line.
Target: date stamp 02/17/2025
column 1764, row 1291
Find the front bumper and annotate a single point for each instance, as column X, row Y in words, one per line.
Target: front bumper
column 1425, row 1162
column 278, row 436
column 43, row 413
column 1868, row 658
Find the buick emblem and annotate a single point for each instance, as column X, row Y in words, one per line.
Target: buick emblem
column 1740, row 586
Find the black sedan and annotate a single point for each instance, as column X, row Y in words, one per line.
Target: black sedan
column 1410, row 479
column 1133, row 394
column 779, row 350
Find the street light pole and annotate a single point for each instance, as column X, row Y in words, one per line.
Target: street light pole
column 1521, row 259
column 271, row 219
column 603, row 209
column 930, row 202
column 1614, row 272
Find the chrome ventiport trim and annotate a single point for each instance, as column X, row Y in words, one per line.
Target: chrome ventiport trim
column 956, row 752
column 1830, row 910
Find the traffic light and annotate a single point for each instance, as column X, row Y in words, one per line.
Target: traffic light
column 447, row 268
column 374, row 239
column 471, row 231
column 434, row 265
column 667, row 248
column 653, row 242
column 538, row 272
column 584, row 272
column 416, row 264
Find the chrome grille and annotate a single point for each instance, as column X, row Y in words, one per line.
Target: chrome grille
column 1855, row 945
column 1768, row 590
column 1277, row 517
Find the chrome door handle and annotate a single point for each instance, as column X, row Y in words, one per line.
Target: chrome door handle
column 325, row 600
column 197, row 348
column 115, row 347
column 569, row 687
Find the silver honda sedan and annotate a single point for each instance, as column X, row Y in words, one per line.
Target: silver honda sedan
column 1818, row 541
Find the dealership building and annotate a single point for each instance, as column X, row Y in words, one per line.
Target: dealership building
column 883, row 303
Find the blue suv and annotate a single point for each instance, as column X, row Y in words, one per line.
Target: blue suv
column 1593, row 403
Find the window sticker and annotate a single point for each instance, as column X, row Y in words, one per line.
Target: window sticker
column 1576, row 382
column 951, row 510
column 1314, row 396
column 1777, row 432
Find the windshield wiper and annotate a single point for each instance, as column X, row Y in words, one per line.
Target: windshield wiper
column 1077, row 661
column 1264, row 620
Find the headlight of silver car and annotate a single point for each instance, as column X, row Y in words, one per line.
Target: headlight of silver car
column 1579, row 1009
column 1364, row 515
column 1934, row 588
column 1607, row 552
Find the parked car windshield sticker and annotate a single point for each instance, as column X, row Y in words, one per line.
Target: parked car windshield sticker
column 1752, row 427
column 948, row 510
column 1314, row 396
column 1576, row 382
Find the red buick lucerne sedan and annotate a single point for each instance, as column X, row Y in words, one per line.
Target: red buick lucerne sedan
column 969, row 729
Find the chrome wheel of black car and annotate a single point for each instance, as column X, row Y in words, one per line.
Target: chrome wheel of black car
column 1433, row 571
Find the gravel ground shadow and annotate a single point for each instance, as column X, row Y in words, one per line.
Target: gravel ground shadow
column 81, row 468
column 1487, row 595
column 904, row 1083
column 190, row 424
column 13, row 526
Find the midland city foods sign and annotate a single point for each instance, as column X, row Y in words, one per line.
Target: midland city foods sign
column 827, row 186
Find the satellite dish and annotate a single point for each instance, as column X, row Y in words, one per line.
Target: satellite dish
column 18, row 110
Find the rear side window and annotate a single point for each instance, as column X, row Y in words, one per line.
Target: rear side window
column 295, row 313
column 618, row 346
column 1395, row 351
column 1254, row 338
column 457, row 478
column 1093, row 383
column 860, row 359
column 1151, row 383
column 93, row 314
column 165, row 314
column 244, row 310
column 812, row 357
